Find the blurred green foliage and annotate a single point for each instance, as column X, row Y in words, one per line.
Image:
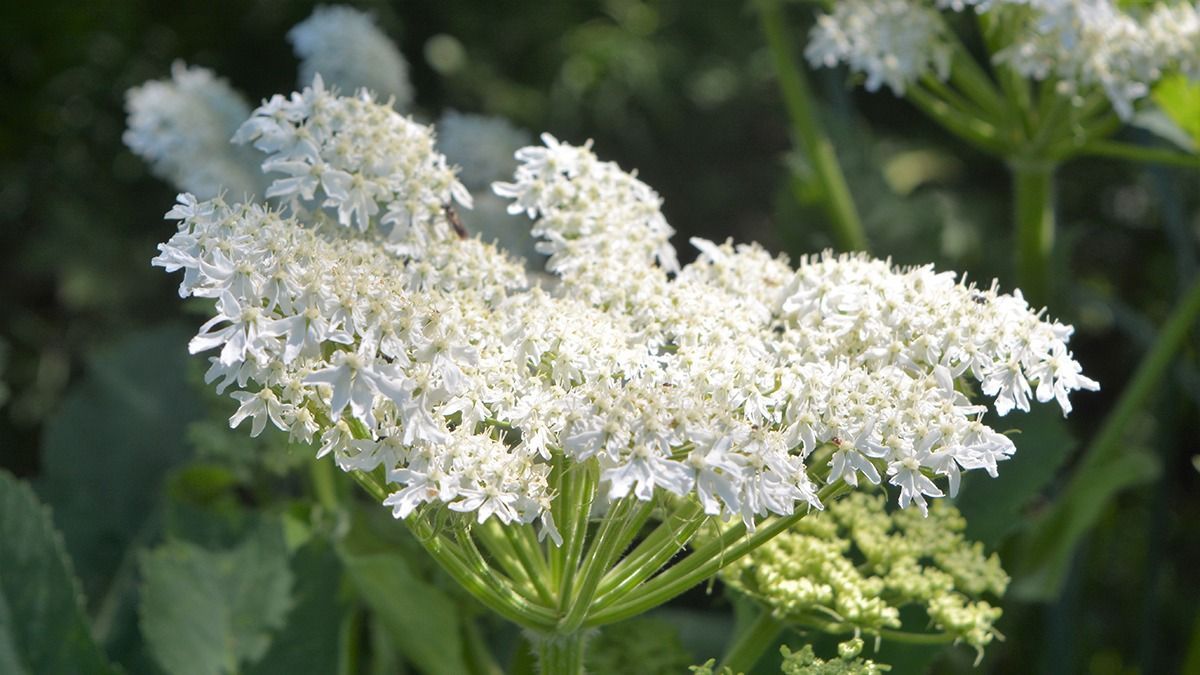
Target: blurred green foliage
column 138, row 468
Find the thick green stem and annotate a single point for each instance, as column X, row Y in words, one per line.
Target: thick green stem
column 467, row 567
column 798, row 98
column 1033, row 188
column 532, row 562
column 648, row 557
column 604, row 548
column 888, row 634
column 973, row 81
column 576, row 503
column 323, row 484
column 561, row 654
column 750, row 644
column 500, row 550
column 971, row 129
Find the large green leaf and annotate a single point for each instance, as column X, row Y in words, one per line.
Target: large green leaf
column 105, row 453
column 43, row 628
column 308, row 642
column 209, row 612
column 422, row 619
column 994, row 507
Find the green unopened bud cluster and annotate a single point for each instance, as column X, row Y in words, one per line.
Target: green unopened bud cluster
column 806, row 662
column 852, row 568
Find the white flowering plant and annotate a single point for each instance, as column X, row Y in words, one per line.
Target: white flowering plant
column 526, row 434
column 569, row 428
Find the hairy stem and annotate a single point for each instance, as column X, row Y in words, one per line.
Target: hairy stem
column 561, row 654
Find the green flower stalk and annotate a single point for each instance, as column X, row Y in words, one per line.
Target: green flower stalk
column 809, row 133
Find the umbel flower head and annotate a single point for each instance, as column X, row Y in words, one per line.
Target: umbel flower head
column 1083, row 44
column 354, row 315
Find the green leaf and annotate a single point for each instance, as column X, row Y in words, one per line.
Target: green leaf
column 308, row 642
column 1048, row 548
column 43, row 627
column 422, row 619
column 993, row 507
column 105, row 453
column 208, row 612
column 1179, row 99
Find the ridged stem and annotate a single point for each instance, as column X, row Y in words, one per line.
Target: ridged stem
column 1033, row 196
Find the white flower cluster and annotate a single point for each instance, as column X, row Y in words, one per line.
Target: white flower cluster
column 360, row 157
column 1083, row 43
column 602, row 228
column 345, row 47
column 1094, row 43
column 892, row 42
column 719, row 381
column 182, row 127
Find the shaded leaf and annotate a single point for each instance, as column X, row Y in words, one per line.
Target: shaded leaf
column 421, row 619
column 43, row 627
column 105, row 453
column 309, row 641
column 1048, row 548
column 207, row 612
column 994, row 507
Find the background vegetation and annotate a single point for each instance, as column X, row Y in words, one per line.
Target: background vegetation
column 100, row 412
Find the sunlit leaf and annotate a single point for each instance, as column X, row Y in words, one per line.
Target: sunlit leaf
column 1179, row 99
column 421, row 619
column 207, row 612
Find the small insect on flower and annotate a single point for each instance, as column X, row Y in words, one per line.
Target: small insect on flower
column 455, row 221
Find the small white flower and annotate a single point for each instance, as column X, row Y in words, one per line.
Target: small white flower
column 261, row 407
column 356, row 382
